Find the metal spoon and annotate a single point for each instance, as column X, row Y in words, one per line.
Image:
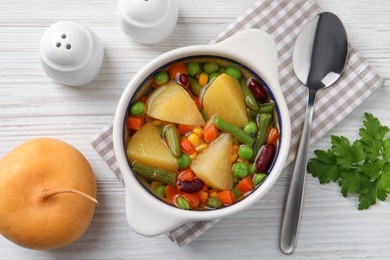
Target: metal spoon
column 319, row 57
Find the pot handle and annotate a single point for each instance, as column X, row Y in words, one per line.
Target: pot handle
column 256, row 49
column 146, row 215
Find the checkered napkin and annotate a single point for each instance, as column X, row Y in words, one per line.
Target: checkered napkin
column 283, row 20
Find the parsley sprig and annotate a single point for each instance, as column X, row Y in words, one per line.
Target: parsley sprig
column 361, row 167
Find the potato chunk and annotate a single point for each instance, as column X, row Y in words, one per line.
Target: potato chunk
column 172, row 103
column 224, row 98
column 213, row 165
column 146, row 146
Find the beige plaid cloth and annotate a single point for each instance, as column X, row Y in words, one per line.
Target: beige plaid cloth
column 283, row 20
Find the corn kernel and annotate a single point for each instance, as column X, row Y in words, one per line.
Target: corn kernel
column 197, row 130
column 234, row 157
column 157, row 122
column 193, row 156
column 200, row 148
column 194, row 139
column 212, row 194
column 203, row 79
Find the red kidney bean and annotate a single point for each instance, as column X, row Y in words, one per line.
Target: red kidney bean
column 190, row 186
column 265, row 158
column 257, row 90
column 183, row 80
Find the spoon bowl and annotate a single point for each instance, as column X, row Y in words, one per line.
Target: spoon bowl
column 319, row 57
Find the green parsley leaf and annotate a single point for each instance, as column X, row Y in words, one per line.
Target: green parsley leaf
column 362, row 167
column 367, row 195
column 383, row 183
column 350, row 181
column 386, row 149
column 346, row 153
column 372, row 135
column 324, row 166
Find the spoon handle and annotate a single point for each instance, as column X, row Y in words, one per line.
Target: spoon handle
column 292, row 212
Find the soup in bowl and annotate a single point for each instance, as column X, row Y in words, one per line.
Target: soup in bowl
column 201, row 132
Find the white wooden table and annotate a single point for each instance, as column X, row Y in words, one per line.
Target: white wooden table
column 32, row 105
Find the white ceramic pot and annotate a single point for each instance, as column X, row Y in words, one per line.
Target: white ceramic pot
column 252, row 48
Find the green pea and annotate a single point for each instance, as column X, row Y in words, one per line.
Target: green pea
column 258, row 178
column 160, row 190
column 213, row 202
column 222, row 69
column 210, row 67
column 161, row 77
column 213, row 76
column 195, row 87
column 245, row 152
column 233, row 72
column 182, row 203
column 184, row 161
column 237, row 193
column 137, row 109
column 192, row 68
column 240, row 170
column 250, row 128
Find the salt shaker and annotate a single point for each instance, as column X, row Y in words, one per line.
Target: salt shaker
column 148, row 21
column 71, row 53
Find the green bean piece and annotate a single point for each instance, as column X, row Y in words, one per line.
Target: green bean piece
column 182, row 203
column 264, row 122
column 252, row 169
column 153, row 173
column 160, row 190
column 245, row 152
column 258, row 178
column 211, row 67
column 192, row 68
column 195, row 87
column 233, row 72
column 172, row 137
column 249, row 98
column 240, row 170
column 137, row 109
column 214, row 203
column 161, row 77
column 204, row 115
column 252, row 113
column 233, row 130
column 250, row 128
column 266, row 108
column 184, row 161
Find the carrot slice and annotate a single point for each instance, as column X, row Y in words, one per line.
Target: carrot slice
column 192, row 198
column 183, row 129
column 226, row 197
column 197, row 102
column 187, row 146
column 245, row 185
column 177, row 68
column 186, row 175
column 135, row 122
column 273, row 136
column 203, row 196
column 170, row 192
column 210, row 133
